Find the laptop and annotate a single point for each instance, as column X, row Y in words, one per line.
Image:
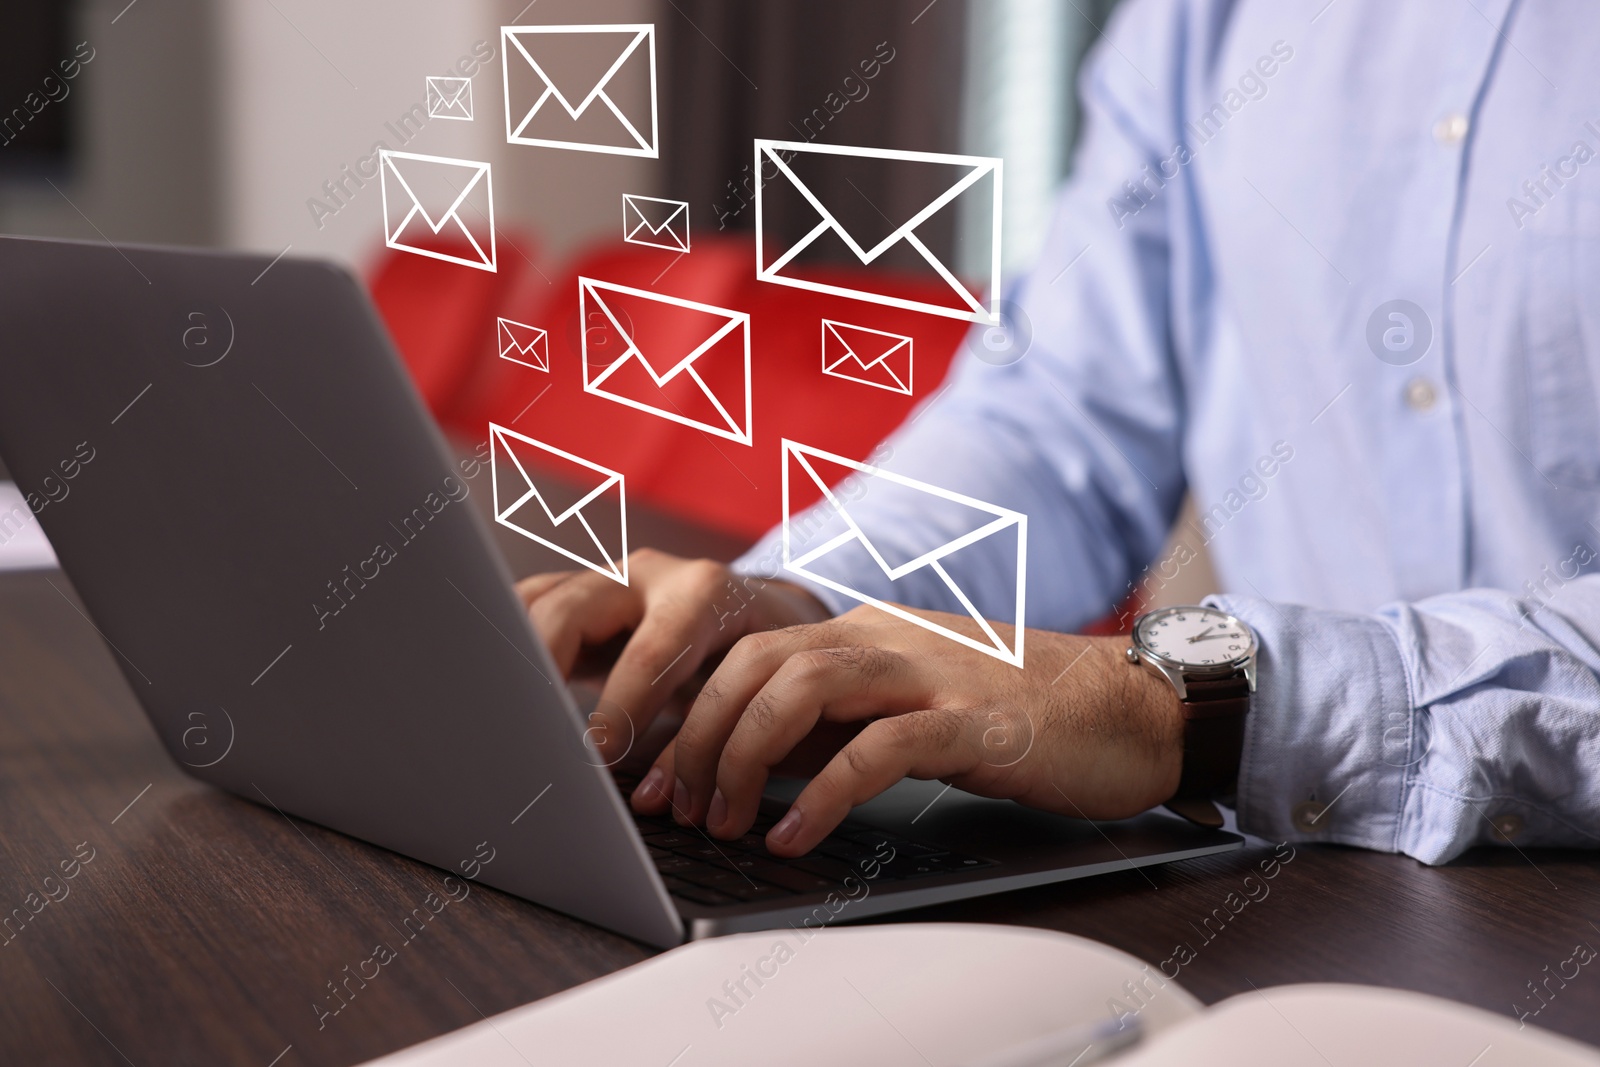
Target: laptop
column 275, row 542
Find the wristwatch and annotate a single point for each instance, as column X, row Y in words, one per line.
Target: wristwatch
column 1209, row 659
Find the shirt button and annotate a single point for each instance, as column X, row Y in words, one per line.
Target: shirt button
column 1420, row 394
column 1307, row 816
column 1450, row 129
column 1508, row 826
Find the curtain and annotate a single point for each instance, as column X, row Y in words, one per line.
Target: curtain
column 879, row 74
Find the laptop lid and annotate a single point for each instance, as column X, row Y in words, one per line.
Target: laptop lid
column 272, row 537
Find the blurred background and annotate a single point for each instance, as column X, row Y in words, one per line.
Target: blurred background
column 215, row 122
column 240, row 124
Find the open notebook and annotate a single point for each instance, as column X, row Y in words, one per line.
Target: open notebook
column 942, row 995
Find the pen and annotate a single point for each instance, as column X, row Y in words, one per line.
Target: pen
column 1075, row 1046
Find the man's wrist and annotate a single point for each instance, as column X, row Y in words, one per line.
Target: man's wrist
column 1157, row 706
column 790, row 604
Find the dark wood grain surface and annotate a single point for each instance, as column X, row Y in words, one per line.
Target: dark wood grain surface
column 207, row 930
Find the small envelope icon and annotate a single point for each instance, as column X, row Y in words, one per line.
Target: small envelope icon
column 955, row 523
column 551, row 496
column 773, row 257
column 527, row 345
column 658, row 223
column 683, row 361
column 556, row 100
column 871, row 357
column 450, row 98
column 438, row 207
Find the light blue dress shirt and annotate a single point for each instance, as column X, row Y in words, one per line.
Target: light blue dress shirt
column 1404, row 508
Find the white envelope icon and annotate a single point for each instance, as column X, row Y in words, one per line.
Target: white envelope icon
column 658, row 223
column 551, row 105
column 872, row 357
column 527, row 345
column 678, row 390
column 773, row 257
column 433, row 205
column 983, row 522
column 450, row 98
column 523, row 491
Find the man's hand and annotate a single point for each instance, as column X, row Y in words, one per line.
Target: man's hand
column 678, row 611
column 1080, row 731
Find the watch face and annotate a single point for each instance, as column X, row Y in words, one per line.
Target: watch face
column 1197, row 638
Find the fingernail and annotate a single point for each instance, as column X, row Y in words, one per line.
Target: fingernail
column 680, row 801
column 787, row 827
column 718, row 810
column 650, row 788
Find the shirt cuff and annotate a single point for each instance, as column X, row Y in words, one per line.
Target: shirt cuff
column 1332, row 728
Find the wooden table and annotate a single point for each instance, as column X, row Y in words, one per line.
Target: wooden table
column 206, row 929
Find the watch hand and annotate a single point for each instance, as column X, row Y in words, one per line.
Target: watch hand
column 1213, row 637
column 1201, row 635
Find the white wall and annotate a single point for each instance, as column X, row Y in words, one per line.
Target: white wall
column 216, row 122
column 311, row 90
column 310, row 87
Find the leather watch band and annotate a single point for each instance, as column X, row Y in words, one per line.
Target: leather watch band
column 1213, row 736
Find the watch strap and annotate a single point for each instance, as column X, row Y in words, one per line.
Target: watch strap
column 1214, row 713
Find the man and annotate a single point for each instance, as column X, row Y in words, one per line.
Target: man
column 1330, row 267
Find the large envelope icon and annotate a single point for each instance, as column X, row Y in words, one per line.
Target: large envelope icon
column 657, row 223
column 800, row 462
column 557, row 511
column 774, row 258
column 871, row 357
column 662, row 374
column 438, row 207
column 527, row 345
column 551, row 104
column 450, row 98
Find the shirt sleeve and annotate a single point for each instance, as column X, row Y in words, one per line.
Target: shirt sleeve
column 1070, row 413
column 1426, row 728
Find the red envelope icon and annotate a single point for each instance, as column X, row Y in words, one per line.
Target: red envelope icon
column 676, row 359
column 871, row 357
column 527, row 345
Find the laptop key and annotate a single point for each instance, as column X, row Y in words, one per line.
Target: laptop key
column 671, row 840
column 708, row 897
column 794, row 879
column 714, row 877
column 759, row 891
column 674, row 864
column 917, row 868
column 847, row 851
column 824, row 866
column 885, row 844
column 706, row 852
column 921, row 866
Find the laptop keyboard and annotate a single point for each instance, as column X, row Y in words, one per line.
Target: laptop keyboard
column 715, row 873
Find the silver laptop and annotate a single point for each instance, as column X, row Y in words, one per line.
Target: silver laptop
column 276, row 543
